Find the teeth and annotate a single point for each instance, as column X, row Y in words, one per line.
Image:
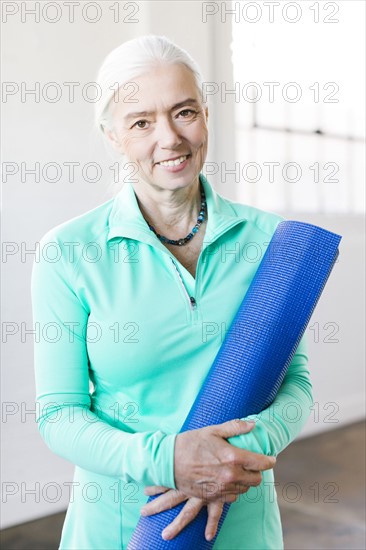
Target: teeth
column 175, row 162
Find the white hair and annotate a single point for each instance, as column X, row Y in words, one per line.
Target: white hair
column 130, row 60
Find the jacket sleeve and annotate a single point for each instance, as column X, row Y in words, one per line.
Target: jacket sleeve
column 279, row 424
column 66, row 422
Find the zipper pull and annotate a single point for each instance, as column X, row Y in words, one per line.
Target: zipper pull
column 193, row 302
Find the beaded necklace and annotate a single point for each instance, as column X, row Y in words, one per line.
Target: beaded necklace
column 200, row 219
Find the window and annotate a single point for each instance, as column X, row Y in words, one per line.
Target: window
column 299, row 103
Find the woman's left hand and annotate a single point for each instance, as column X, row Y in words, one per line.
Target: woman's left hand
column 171, row 498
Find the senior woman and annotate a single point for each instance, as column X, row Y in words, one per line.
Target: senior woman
column 142, row 292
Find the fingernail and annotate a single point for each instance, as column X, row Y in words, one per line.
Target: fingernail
column 143, row 511
column 209, row 536
column 166, row 533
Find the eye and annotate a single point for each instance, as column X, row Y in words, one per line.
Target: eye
column 189, row 111
column 140, row 122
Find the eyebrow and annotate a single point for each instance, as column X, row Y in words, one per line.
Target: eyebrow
column 189, row 100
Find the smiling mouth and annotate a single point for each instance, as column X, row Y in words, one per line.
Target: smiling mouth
column 174, row 162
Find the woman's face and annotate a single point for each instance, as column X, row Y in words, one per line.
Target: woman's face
column 159, row 116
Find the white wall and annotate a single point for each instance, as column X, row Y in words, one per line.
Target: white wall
column 62, row 132
column 337, row 350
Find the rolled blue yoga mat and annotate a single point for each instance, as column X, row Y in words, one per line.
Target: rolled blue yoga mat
column 253, row 359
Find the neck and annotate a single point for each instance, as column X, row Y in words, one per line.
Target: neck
column 171, row 212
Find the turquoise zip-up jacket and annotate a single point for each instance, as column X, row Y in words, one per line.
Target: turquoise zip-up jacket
column 127, row 337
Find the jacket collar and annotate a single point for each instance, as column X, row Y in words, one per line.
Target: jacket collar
column 126, row 219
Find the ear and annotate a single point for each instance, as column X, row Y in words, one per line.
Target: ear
column 112, row 138
column 110, row 135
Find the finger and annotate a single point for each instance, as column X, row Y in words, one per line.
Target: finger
column 247, row 459
column 228, row 495
column 185, row 516
column 250, row 478
column 213, row 491
column 163, row 502
column 233, row 427
column 231, row 497
column 255, row 461
column 214, row 511
column 155, row 490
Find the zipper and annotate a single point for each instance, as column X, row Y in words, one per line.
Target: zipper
column 191, row 299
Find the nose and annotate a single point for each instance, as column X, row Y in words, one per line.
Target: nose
column 167, row 134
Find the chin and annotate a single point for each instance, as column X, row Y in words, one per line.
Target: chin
column 180, row 183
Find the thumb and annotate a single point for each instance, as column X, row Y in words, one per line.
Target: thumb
column 234, row 427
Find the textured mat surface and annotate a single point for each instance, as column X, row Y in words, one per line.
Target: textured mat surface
column 253, row 359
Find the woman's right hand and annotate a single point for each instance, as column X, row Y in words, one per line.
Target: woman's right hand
column 208, row 467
